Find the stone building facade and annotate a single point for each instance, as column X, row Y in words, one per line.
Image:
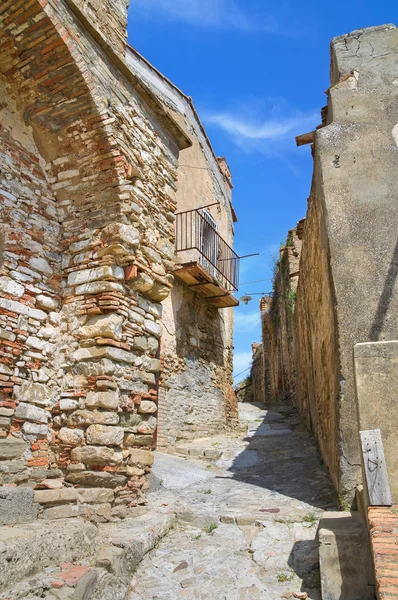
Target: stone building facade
column 88, row 179
column 346, row 291
column 196, row 397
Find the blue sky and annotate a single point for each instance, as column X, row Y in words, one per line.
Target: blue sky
column 256, row 71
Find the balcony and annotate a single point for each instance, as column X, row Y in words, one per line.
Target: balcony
column 207, row 264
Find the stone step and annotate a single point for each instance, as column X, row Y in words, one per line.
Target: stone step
column 101, row 558
column 345, row 557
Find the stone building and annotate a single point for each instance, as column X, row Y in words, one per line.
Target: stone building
column 346, row 292
column 196, row 396
column 89, row 163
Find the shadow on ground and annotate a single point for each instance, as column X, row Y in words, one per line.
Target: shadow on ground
column 281, row 456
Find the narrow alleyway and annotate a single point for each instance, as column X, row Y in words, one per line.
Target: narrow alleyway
column 247, row 522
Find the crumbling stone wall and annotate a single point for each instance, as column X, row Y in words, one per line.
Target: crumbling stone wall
column 347, row 291
column 278, row 322
column 257, row 374
column 196, row 396
column 88, row 180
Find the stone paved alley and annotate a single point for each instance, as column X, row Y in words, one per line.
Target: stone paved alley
column 247, row 522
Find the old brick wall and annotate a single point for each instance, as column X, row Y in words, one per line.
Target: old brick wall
column 88, row 181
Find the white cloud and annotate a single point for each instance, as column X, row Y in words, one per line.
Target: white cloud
column 247, row 321
column 268, row 126
column 242, row 360
column 205, row 13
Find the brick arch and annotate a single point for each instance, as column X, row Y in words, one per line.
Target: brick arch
column 57, row 97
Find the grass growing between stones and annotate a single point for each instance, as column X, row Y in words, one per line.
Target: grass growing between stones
column 311, row 519
column 284, row 577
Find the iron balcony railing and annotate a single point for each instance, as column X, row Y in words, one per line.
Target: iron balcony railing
column 196, row 230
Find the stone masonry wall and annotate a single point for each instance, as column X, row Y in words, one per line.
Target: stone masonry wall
column 196, row 370
column 257, row 374
column 196, row 396
column 278, row 322
column 347, row 290
column 88, row 180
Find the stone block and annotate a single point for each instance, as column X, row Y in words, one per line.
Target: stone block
column 97, row 513
column 22, row 309
column 95, row 352
column 148, row 426
column 147, row 407
column 61, row 496
column 39, row 263
column 96, row 287
column 122, row 233
column 70, row 437
column 88, row 275
column 140, row 343
column 153, row 365
column 9, row 286
column 104, row 435
column 376, row 378
column 130, row 439
column 29, row 412
column 68, row 404
column 142, row 283
column 153, row 328
column 11, row 448
column 106, row 326
column 91, row 417
column 109, row 399
column 7, row 335
column 66, row 511
column 141, row 457
column 95, row 495
column 33, row 393
column 12, row 466
column 345, row 558
column 143, row 440
column 92, row 455
column 35, row 429
column 46, row 302
column 96, row 479
column 17, row 506
column 159, row 292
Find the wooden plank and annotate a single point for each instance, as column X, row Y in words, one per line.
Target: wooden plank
column 375, row 468
column 305, row 138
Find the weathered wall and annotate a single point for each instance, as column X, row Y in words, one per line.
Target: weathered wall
column 109, row 18
column 257, row 374
column 278, row 322
column 347, row 290
column 318, row 361
column 88, row 178
column 358, row 158
column 196, row 394
column 376, row 381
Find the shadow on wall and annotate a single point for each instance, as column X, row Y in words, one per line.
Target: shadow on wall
column 385, row 298
column 281, row 456
column 199, row 326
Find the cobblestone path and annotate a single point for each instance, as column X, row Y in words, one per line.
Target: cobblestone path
column 247, row 523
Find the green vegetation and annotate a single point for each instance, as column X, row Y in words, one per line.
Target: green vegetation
column 211, row 528
column 311, row 519
column 283, row 577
